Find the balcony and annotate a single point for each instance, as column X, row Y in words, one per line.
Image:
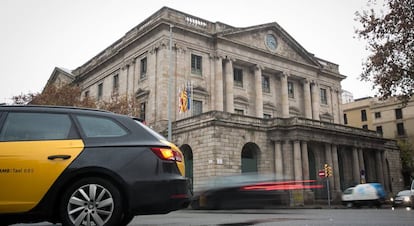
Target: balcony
column 244, row 121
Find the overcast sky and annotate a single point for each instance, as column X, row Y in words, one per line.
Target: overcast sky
column 39, row 35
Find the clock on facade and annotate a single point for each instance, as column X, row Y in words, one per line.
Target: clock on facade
column 271, row 42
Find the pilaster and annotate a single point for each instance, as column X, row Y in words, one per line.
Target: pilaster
column 219, row 84
column 315, row 101
column 285, row 95
column 307, row 99
column 259, row 92
column 229, row 86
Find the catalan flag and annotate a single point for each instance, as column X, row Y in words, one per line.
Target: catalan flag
column 184, row 98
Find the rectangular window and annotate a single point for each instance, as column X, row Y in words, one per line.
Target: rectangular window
column 379, row 130
column 20, row 126
column 102, row 127
column 398, row 113
column 345, row 119
column 265, row 84
column 324, row 99
column 363, row 115
column 143, row 70
column 238, row 77
column 377, row 114
column 400, row 129
column 142, row 109
column 100, row 91
column 197, row 107
column 196, row 64
column 291, row 90
column 239, row 111
column 115, row 83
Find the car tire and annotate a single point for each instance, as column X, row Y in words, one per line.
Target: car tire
column 89, row 200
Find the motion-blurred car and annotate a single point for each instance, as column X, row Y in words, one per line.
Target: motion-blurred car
column 403, row 198
column 369, row 194
column 85, row 167
column 247, row 191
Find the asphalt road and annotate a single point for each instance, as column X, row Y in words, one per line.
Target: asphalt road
column 290, row 217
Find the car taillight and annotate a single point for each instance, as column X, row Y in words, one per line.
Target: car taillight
column 168, row 154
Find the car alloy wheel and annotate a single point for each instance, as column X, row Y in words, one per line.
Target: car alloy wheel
column 92, row 202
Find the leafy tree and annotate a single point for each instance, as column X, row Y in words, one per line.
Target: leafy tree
column 66, row 95
column 121, row 104
column 390, row 37
column 407, row 160
column 69, row 95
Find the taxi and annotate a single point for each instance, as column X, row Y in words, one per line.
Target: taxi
column 85, row 167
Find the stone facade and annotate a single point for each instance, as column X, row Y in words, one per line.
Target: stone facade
column 260, row 101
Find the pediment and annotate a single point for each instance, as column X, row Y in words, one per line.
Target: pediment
column 60, row 76
column 256, row 37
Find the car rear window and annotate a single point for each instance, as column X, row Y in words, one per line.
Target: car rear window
column 95, row 127
column 22, row 126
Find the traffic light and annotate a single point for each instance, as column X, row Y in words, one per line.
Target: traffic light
column 329, row 171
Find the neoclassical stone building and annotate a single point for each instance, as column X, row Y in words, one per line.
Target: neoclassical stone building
column 259, row 102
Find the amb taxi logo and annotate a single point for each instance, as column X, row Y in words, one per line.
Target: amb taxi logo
column 16, row 170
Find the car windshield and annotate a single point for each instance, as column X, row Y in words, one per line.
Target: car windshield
column 348, row 191
column 404, row 193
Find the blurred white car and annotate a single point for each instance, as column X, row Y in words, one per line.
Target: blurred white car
column 364, row 194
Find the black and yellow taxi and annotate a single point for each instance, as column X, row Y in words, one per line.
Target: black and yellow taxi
column 85, row 167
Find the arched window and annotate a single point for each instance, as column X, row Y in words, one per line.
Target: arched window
column 249, row 158
column 188, row 159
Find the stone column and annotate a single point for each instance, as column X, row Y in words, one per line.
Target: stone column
column 380, row 169
column 305, row 161
column 361, row 164
column 315, row 101
column 122, row 81
column 278, row 160
column 335, row 168
column 334, row 102
column 285, row 95
column 287, row 152
column 307, row 99
column 385, row 170
column 259, row 92
column 218, row 84
column 134, row 76
column 297, row 159
column 229, row 107
column 340, row 111
column 355, row 164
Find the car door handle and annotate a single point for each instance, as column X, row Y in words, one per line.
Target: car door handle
column 63, row 157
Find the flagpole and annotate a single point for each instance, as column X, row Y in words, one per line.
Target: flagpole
column 170, row 81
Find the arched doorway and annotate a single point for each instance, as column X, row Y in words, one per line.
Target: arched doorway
column 249, row 158
column 188, row 159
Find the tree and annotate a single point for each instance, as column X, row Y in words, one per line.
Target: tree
column 70, row 95
column 407, row 160
column 66, row 95
column 390, row 38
